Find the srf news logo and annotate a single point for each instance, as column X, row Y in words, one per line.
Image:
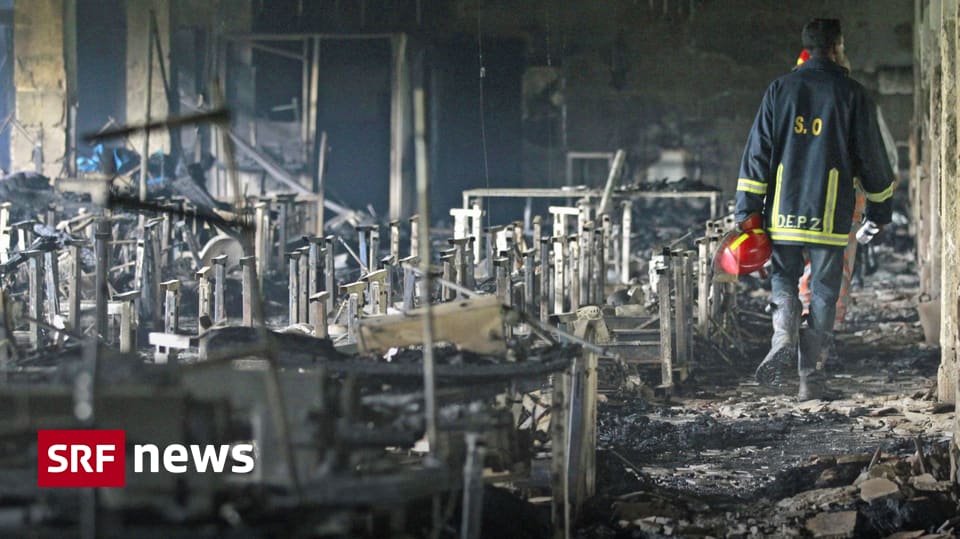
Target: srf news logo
column 97, row 458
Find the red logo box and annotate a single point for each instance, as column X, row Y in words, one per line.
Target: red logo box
column 81, row 458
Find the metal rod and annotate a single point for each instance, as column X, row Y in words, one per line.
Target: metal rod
column 423, row 208
column 220, row 116
column 148, row 97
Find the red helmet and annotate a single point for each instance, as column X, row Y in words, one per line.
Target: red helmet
column 743, row 252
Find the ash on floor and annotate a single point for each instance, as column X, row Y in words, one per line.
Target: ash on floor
column 725, row 457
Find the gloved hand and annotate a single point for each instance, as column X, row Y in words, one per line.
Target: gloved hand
column 868, row 231
column 754, row 220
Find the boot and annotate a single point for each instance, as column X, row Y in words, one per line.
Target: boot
column 812, row 380
column 783, row 345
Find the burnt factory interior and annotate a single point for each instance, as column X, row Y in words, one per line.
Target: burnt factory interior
column 462, row 268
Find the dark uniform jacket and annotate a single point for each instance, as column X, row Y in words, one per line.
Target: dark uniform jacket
column 816, row 132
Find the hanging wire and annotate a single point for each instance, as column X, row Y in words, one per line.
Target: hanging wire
column 483, row 123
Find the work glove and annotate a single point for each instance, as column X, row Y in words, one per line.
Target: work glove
column 867, row 232
column 753, row 221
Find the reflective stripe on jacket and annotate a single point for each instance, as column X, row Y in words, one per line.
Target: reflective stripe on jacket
column 815, row 132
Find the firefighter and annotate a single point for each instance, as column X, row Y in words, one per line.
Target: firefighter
column 815, row 131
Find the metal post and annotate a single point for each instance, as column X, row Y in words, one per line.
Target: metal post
column 5, row 231
column 166, row 229
column 293, row 287
column 284, row 201
column 625, row 231
column 703, row 286
column 600, row 273
column 666, row 319
column 248, row 266
column 377, row 289
column 330, row 273
column 171, row 318
column 303, row 285
column 102, row 236
column 394, row 241
column 414, row 235
column 535, row 238
column 374, row 255
column 51, row 293
column 449, row 275
column 604, row 247
column 544, row 289
column 559, row 270
column 470, row 279
column 502, row 279
column 318, row 318
column 353, row 316
column 219, row 290
column 128, row 326
column 470, row 522
column 315, row 261
column 688, row 261
column 586, row 264
column 409, row 282
column 204, row 300
column 491, row 233
column 146, row 277
column 388, row 264
column 573, row 244
column 461, row 248
column 529, row 279
column 715, row 287
column 35, row 301
column 73, row 300
column 262, row 245
column 679, row 302
column 363, row 233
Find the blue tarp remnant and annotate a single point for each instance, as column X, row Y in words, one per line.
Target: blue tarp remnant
column 116, row 161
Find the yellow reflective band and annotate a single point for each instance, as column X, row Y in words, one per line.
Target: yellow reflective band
column 752, row 190
column 736, row 243
column 808, row 236
column 751, row 183
column 776, row 196
column 882, row 196
column 831, row 202
column 751, row 186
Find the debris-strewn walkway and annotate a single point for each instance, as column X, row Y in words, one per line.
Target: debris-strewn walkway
column 725, row 457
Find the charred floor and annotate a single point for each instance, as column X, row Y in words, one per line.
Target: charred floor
column 458, row 269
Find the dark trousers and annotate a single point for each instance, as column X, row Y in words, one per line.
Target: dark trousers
column 826, row 265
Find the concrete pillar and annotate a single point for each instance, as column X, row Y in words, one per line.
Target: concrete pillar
column 950, row 255
column 40, row 83
column 138, row 24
